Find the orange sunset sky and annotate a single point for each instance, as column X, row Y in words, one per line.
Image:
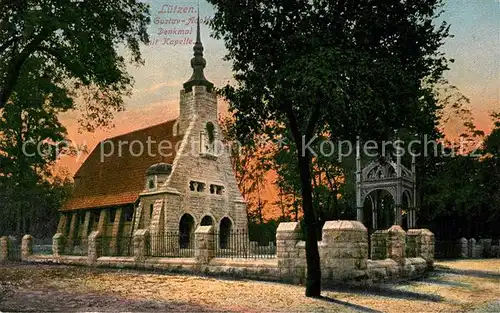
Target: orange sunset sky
column 475, row 48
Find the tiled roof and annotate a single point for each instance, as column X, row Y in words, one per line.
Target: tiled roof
column 117, row 176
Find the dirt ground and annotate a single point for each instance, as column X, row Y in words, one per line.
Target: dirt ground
column 455, row 286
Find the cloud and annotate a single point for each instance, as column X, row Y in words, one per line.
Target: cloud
column 156, row 87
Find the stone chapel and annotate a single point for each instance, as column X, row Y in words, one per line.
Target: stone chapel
column 183, row 181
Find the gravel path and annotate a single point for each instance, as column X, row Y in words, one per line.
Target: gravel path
column 454, row 287
column 493, row 307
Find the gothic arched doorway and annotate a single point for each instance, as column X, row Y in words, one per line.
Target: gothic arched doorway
column 186, row 231
column 369, row 206
column 207, row 220
column 225, row 232
column 385, row 174
column 386, row 214
column 379, row 210
column 405, row 209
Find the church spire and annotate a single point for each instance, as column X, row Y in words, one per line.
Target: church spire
column 198, row 63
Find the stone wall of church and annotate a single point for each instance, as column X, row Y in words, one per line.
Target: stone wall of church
column 190, row 165
column 198, row 103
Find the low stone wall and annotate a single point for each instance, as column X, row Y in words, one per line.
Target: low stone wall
column 58, row 242
column 483, row 248
column 4, row 249
column 343, row 250
column 26, row 247
column 343, row 254
column 378, row 242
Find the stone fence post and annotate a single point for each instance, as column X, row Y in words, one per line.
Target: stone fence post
column 486, row 247
column 287, row 237
column 396, row 244
column 463, row 248
column 94, row 247
column 427, row 247
column 478, row 250
column 204, row 245
column 495, row 251
column 379, row 240
column 344, row 249
column 420, row 243
column 413, row 243
column 141, row 238
column 472, row 246
column 4, row 249
column 58, row 244
column 26, row 247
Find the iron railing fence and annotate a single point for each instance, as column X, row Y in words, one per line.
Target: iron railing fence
column 75, row 246
column 171, row 244
column 116, row 246
column 14, row 250
column 79, row 246
column 494, row 251
column 237, row 244
column 42, row 246
column 447, row 249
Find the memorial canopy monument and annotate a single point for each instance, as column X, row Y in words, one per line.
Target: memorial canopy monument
column 385, row 192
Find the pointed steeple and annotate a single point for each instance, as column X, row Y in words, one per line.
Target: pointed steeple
column 198, row 63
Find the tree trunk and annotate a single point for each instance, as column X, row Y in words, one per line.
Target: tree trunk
column 295, row 208
column 313, row 280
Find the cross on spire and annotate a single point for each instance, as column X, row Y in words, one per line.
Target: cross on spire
column 198, row 63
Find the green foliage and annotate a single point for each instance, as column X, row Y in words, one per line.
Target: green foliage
column 31, row 139
column 332, row 196
column 29, row 126
column 346, row 68
column 54, row 57
column 263, row 232
column 460, row 193
column 354, row 63
column 492, row 142
column 77, row 41
column 32, row 209
column 250, row 164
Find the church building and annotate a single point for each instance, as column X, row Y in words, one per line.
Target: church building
column 182, row 178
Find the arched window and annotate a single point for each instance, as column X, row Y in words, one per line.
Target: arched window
column 129, row 213
column 226, row 227
column 207, row 220
column 176, row 128
column 186, row 231
column 210, row 128
column 209, row 138
column 151, row 183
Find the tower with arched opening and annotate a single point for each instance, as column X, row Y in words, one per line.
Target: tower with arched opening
column 385, row 192
column 182, row 179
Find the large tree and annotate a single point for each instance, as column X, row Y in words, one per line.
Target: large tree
column 491, row 176
column 349, row 68
column 460, row 188
column 80, row 40
column 31, row 137
column 328, row 178
column 250, row 164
